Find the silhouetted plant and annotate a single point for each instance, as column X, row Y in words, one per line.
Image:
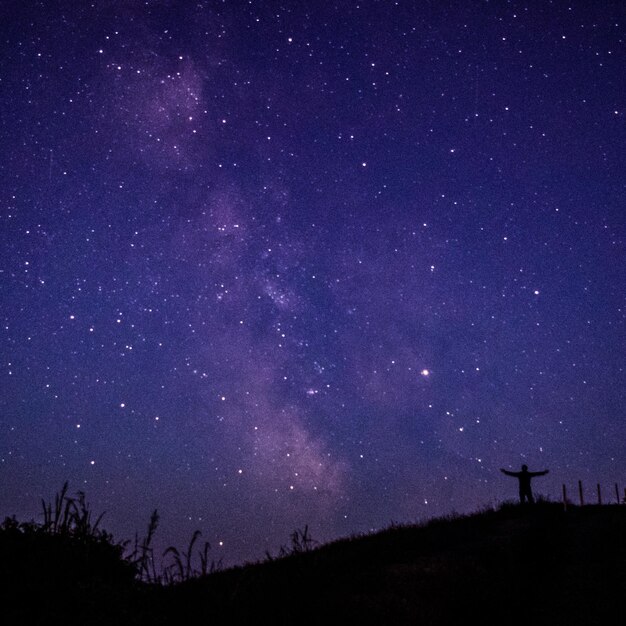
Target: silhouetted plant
column 143, row 554
column 182, row 569
column 57, row 520
column 205, row 567
column 70, row 516
column 67, row 540
column 301, row 540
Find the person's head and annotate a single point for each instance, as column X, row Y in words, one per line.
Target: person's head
column 524, row 468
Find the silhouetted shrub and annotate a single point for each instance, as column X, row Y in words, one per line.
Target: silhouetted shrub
column 65, row 567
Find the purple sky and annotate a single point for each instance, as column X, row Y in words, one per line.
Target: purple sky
column 268, row 264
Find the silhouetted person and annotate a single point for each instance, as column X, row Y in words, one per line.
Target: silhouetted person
column 524, row 477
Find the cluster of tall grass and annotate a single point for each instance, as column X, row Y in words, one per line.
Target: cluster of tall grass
column 300, row 541
column 71, row 538
column 176, row 565
column 68, row 540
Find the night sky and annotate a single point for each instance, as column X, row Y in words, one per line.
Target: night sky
column 268, row 264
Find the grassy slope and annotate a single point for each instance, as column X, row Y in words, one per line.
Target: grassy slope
column 531, row 565
column 516, row 565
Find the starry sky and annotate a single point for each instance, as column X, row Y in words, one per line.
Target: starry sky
column 268, row 264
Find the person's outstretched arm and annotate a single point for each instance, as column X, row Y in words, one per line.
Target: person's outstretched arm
column 508, row 473
column 539, row 473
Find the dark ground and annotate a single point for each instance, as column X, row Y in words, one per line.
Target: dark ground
column 516, row 565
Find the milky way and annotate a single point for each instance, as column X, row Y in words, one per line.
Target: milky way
column 272, row 264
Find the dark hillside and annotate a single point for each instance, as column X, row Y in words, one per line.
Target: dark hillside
column 517, row 565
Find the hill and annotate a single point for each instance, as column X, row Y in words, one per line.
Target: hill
column 534, row 565
column 520, row 565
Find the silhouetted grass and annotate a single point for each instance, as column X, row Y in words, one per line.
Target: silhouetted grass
column 67, row 560
column 301, row 541
column 531, row 565
column 143, row 554
column 511, row 564
column 66, row 567
column 182, row 568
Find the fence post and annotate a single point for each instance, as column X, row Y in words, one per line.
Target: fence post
column 564, row 498
column 616, row 493
column 599, row 495
column 580, row 492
